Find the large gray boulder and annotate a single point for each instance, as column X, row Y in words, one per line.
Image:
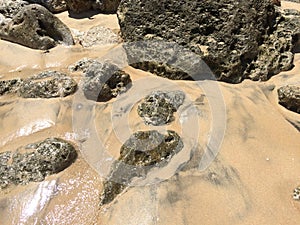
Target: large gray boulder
column 237, row 39
column 35, row 27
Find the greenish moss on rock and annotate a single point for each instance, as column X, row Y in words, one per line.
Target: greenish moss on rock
column 48, row 84
column 143, row 151
column 35, row 162
column 158, row 108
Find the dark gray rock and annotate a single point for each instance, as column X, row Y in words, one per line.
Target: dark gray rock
column 237, row 39
column 49, row 84
column 104, row 81
column 9, row 8
column 54, row 6
column 9, row 86
column 143, row 151
column 35, row 27
column 35, row 162
column 82, row 65
column 158, row 108
column 104, row 6
column 289, row 97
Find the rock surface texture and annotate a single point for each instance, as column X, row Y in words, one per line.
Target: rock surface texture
column 157, row 108
column 35, row 27
column 38, row 161
column 237, row 39
column 104, row 6
column 48, row 84
column 54, row 6
column 141, row 152
column 103, row 80
column 9, row 86
column 289, row 97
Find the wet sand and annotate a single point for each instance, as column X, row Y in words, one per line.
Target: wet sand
column 250, row 182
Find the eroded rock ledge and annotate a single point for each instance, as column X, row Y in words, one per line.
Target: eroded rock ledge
column 237, row 39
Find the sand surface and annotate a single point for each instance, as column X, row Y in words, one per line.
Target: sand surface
column 251, row 181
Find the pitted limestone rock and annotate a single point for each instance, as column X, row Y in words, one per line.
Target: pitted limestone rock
column 289, row 97
column 35, row 27
column 36, row 161
column 104, row 81
column 48, row 84
column 158, row 108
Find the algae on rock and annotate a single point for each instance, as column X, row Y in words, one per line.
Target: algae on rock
column 143, row 151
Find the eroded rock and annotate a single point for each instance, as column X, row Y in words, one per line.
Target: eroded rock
column 82, row 65
column 104, row 6
column 104, row 81
column 9, row 86
column 237, row 39
column 48, row 84
column 35, row 27
column 54, row 6
column 99, row 35
column 158, row 108
column 9, row 8
column 143, row 151
column 289, row 97
column 35, row 161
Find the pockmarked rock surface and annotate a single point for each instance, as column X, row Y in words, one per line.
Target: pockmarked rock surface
column 35, row 27
column 48, row 84
column 35, row 161
column 99, row 35
column 158, row 108
column 237, row 39
column 104, row 6
column 289, row 97
column 103, row 80
column 143, row 151
column 9, row 8
column 54, row 6
column 9, row 86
